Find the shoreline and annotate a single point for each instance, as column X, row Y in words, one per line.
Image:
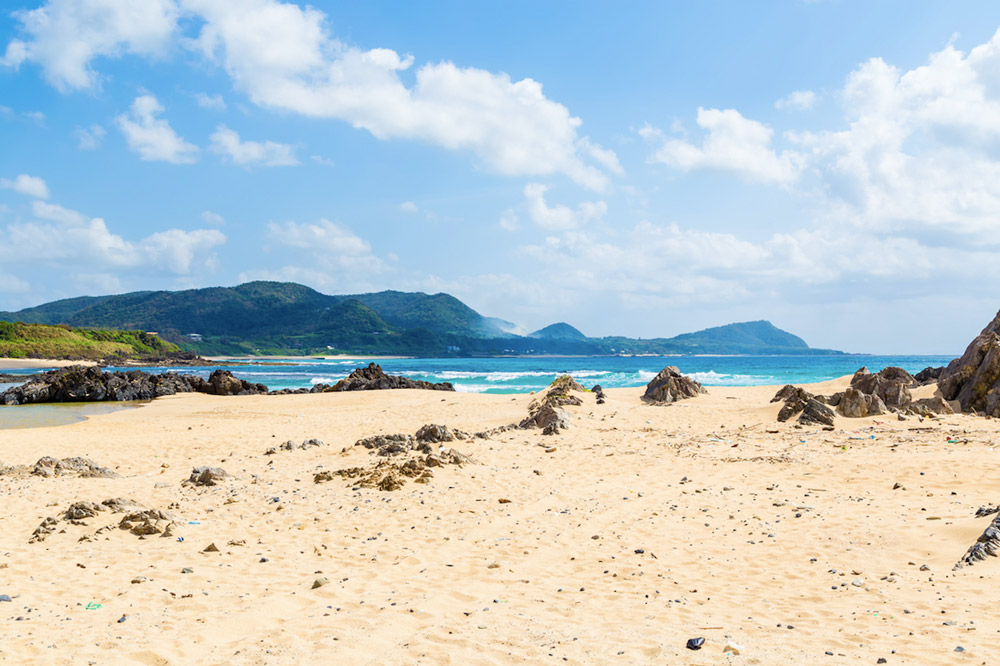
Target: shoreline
column 39, row 363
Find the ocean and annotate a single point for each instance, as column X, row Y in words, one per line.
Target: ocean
column 521, row 375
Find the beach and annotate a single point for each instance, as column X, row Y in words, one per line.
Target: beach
column 617, row 540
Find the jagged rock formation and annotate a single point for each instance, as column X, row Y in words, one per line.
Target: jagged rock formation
column 929, row 375
column 138, row 519
column 206, row 476
column 373, row 378
column 547, row 413
column 974, row 379
column 891, row 385
column 91, row 384
column 292, row 446
column 51, row 467
column 987, row 545
column 670, row 386
column 855, row 404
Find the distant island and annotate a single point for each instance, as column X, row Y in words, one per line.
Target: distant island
column 278, row 318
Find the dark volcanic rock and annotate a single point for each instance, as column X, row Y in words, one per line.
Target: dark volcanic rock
column 974, row 379
column 987, row 545
column 373, row 378
column 91, row 384
column 670, row 386
column 795, row 401
column 816, row 413
column 928, row 375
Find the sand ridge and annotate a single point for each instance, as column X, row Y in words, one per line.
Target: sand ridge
column 636, row 529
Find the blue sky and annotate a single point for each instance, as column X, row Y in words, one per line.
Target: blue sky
column 639, row 168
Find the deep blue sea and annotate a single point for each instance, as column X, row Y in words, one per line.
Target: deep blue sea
column 520, row 375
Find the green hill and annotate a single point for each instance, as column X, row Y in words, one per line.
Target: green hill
column 560, row 331
column 20, row 340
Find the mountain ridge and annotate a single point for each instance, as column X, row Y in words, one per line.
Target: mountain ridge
column 285, row 317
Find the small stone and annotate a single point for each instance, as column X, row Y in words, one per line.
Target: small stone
column 960, row 649
column 211, row 548
column 138, row 580
column 695, row 643
column 858, row 582
column 503, row 500
column 732, row 648
column 187, row 570
column 5, row 597
column 883, row 660
column 639, row 551
column 320, row 582
column 924, row 567
column 121, row 619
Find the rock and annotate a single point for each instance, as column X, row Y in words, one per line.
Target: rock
column 91, row 384
column 5, row 597
column 146, row 522
column 207, row 476
column 435, row 434
column 549, row 418
column 695, row 643
column 858, row 582
column 974, row 378
column 187, row 570
column 987, row 545
column 320, row 582
column 929, row 406
column 854, row 404
column 389, row 445
column 891, row 384
column 81, row 510
column 211, row 548
column 928, row 375
column 789, row 392
column 732, row 648
column 373, row 378
column 83, row 467
column 816, row 413
column 670, row 386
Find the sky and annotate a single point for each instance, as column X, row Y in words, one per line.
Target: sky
column 632, row 168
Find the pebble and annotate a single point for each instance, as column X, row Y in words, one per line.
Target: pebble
column 5, row 597
column 320, row 582
column 121, row 619
column 187, row 570
column 960, row 649
column 695, row 643
column 882, row 660
column 858, row 582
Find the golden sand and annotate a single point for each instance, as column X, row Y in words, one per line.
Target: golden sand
column 644, row 527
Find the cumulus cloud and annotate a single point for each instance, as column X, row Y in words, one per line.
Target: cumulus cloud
column 67, row 239
column 90, row 138
column 332, row 246
column 731, row 143
column 800, row 100
column 283, row 57
column 227, row 142
column 63, row 37
column 559, row 217
column 152, row 137
column 408, row 207
column 31, row 186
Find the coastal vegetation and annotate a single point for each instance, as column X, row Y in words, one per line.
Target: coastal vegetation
column 23, row 340
column 288, row 318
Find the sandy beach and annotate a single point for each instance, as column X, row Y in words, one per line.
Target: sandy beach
column 37, row 363
column 615, row 541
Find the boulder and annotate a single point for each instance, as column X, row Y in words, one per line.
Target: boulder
column 928, row 375
column 987, row 545
column 816, row 413
column 670, row 386
column 222, row 382
column 373, row 378
column 891, row 385
column 207, row 476
column 974, row 378
column 854, row 404
column 435, row 434
column 928, row 406
column 550, row 418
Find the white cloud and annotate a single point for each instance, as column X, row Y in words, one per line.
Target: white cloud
column 559, row 217
column 319, row 159
column 408, row 207
column 510, row 220
column 332, row 246
column 64, row 36
column 226, row 142
column 283, row 57
column 152, row 137
column 211, row 102
column 90, row 138
column 31, row 186
column 208, row 217
column 800, row 100
column 11, row 284
column 67, row 239
column 732, row 143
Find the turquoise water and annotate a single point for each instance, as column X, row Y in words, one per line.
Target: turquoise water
column 48, row 415
column 520, row 375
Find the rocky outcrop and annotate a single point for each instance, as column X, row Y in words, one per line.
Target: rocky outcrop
column 547, row 413
column 891, row 385
column 987, row 545
column 854, row 404
column 207, row 476
column 373, row 378
column 929, row 375
column 816, row 413
column 91, row 384
column 670, row 386
column 76, row 466
column 795, row 399
column 138, row 519
column 974, row 379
